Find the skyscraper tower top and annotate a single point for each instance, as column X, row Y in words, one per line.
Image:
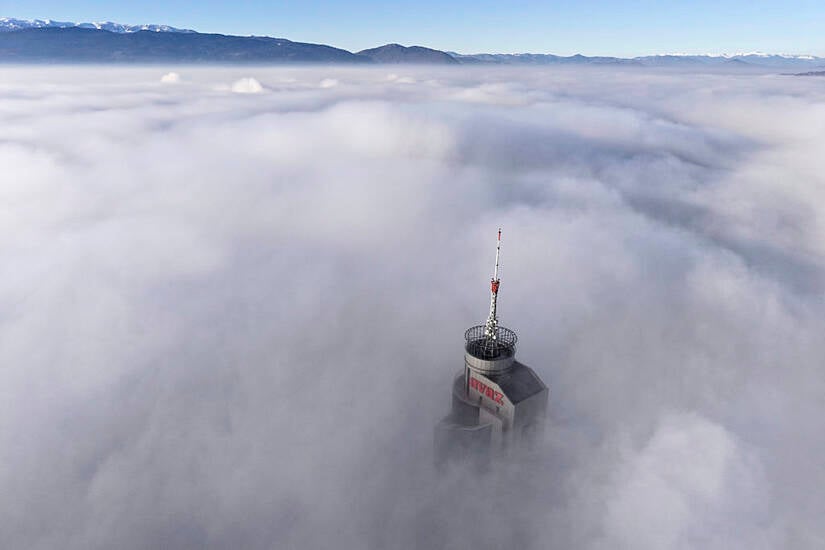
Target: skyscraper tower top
column 498, row 402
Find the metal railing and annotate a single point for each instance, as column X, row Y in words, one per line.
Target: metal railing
column 501, row 344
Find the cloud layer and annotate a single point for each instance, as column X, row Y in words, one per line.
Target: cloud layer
column 231, row 319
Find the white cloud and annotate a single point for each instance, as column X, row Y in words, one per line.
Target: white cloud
column 686, row 487
column 227, row 322
column 247, row 86
column 170, row 78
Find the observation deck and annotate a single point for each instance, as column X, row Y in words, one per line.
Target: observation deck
column 489, row 354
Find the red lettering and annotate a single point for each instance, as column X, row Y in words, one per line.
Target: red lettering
column 487, row 391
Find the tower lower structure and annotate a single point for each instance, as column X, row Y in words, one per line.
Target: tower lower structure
column 498, row 403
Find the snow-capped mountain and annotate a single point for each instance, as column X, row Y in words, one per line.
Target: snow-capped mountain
column 741, row 54
column 64, row 41
column 741, row 60
column 758, row 59
column 10, row 24
column 77, row 44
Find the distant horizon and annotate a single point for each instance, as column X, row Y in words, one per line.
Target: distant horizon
column 617, row 29
column 705, row 53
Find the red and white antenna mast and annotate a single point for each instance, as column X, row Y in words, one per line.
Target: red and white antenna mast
column 491, row 328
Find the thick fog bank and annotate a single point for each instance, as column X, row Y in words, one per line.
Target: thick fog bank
column 232, row 302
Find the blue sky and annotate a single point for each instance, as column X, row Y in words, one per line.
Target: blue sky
column 591, row 27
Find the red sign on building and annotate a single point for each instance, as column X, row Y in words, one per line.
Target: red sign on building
column 484, row 389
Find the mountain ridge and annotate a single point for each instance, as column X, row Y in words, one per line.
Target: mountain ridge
column 75, row 44
column 396, row 53
column 10, row 24
column 47, row 40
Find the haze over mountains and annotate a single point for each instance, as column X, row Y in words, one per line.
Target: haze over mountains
column 66, row 42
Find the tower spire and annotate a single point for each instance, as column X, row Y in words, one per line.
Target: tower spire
column 491, row 328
